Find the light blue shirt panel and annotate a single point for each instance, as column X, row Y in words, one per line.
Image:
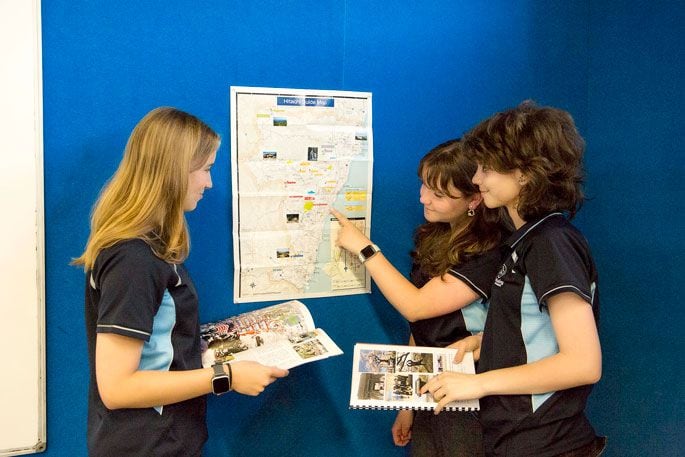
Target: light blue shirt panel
column 474, row 316
column 538, row 334
column 158, row 352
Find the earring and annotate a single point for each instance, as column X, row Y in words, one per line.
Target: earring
column 471, row 212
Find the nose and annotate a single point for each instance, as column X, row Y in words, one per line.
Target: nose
column 208, row 184
column 423, row 195
column 476, row 179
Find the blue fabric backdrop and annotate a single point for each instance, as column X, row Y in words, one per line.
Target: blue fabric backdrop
column 435, row 69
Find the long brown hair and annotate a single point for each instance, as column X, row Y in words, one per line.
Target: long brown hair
column 144, row 198
column 440, row 245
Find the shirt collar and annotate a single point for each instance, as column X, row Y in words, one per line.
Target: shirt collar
column 519, row 234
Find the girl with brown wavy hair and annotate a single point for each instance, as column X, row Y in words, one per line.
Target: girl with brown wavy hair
column 540, row 352
column 455, row 260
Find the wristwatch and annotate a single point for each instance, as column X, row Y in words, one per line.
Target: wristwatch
column 221, row 381
column 368, row 252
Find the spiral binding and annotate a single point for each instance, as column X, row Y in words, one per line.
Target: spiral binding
column 414, row 408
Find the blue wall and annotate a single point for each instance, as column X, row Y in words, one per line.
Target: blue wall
column 434, row 71
column 636, row 168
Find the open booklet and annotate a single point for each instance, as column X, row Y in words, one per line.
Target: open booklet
column 281, row 335
column 386, row 376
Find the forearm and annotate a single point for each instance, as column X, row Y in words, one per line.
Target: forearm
column 557, row 372
column 144, row 389
column 397, row 289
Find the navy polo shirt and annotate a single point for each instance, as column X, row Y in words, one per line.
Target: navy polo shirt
column 477, row 272
column 546, row 257
column 133, row 293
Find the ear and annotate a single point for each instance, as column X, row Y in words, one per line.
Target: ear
column 476, row 199
column 521, row 178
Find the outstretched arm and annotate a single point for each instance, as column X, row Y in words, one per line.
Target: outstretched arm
column 122, row 385
column 438, row 297
column 578, row 362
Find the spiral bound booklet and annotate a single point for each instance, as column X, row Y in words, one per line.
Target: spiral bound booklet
column 388, row 376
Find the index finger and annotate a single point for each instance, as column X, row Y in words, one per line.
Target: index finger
column 427, row 386
column 338, row 215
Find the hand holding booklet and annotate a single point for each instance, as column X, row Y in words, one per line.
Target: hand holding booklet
column 281, row 335
column 388, row 376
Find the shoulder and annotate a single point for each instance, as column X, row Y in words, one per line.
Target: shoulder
column 483, row 260
column 128, row 259
column 479, row 271
column 557, row 235
column 130, row 252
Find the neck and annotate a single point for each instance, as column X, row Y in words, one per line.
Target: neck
column 458, row 222
column 516, row 218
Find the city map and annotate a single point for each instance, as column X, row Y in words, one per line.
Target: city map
column 294, row 154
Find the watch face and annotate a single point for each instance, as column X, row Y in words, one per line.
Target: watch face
column 221, row 384
column 368, row 251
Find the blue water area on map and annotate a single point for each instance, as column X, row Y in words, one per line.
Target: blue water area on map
column 357, row 180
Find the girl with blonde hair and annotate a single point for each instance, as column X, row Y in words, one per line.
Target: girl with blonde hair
column 147, row 385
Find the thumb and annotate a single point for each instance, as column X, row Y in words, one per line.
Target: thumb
column 279, row 372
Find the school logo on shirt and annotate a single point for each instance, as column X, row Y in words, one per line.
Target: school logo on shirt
column 500, row 275
column 503, row 270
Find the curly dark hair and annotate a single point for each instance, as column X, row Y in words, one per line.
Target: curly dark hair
column 440, row 245
column 544, row 144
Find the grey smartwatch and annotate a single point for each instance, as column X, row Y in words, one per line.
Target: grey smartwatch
column 221, row 381
column 368, row 252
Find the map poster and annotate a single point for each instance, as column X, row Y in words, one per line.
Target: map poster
column 294, row 154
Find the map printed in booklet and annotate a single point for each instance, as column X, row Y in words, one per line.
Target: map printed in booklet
column 281, row 335
column 390, row 376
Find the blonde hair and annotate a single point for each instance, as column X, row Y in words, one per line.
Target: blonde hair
column 144, row 198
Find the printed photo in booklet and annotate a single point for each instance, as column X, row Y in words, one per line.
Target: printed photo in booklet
column 390, row 376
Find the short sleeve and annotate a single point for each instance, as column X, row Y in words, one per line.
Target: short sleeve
column 131, row 282
column 479, row 272
column 559, row 261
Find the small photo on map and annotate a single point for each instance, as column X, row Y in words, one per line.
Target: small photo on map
column 292, row 218
column 360, row 136
column 280, row 122
column 282, row 253
column 269, row 155
column 312, row 154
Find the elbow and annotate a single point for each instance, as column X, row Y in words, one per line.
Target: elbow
column 110, row 398
column 592, row 373
column 595, row 374
column 411, row 318
column 415, row 315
